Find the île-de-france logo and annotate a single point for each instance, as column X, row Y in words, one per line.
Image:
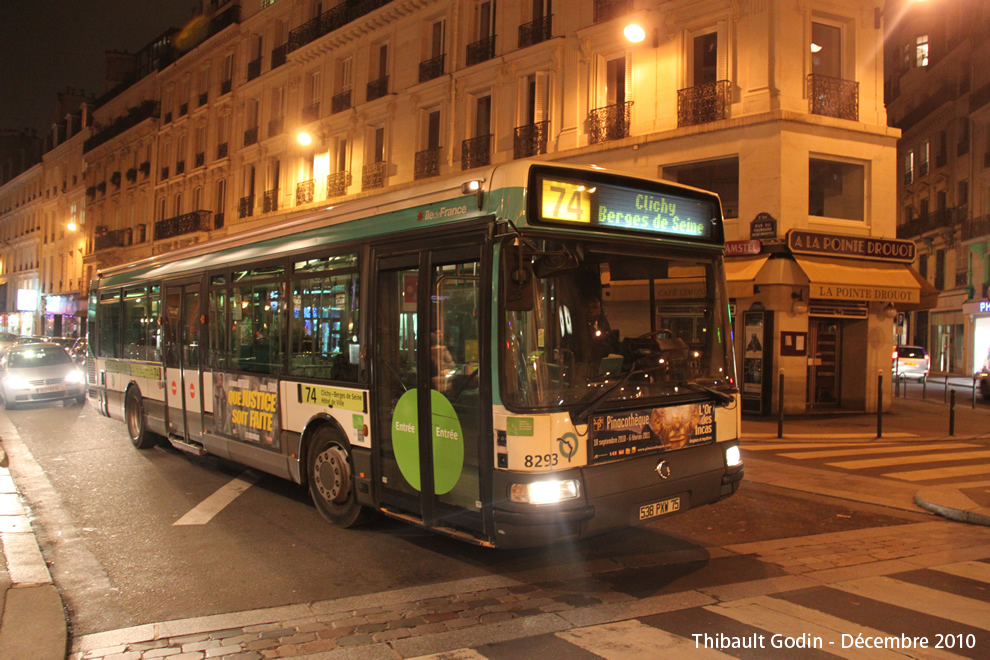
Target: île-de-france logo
column 419, row 218
column 568, row 446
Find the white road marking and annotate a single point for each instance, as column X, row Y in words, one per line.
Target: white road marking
column 799, row 445
column 907, row 460
column 835, row 453
column 834, row 436
column 203, row 512
column 921, row 599
column 971, row 570
column 941, row 473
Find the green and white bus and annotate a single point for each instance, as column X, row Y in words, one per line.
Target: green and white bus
column 511, row 356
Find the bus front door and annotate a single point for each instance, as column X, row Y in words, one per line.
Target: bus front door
column 432, row 405
column 183, row 381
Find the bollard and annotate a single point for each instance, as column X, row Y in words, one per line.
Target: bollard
column 880, row 404
column 945, row 389
column 952, row 413
column 924, row 388
column 974, row 391
column 780, row 405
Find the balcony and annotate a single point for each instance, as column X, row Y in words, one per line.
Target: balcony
column 431, row 68
column 111, row 239
column 135, row 115
column 530, row 140
column 167, row 118
column 226, row 86
column 245, row 207
column 427, row 163
column 373, row 175
column 609, row 123
column 311, row 112
column 304, row 191
column 330, row 20
column 975, row 228
column 203, row 98
column 480, row 51
column 183, row 109
column 476, row 152
column 337, row 184
column 533, row 33
column 704, row 104
column 340, row 102
column 278, row 55
column 131, row 174
column 606, row 10
column 187, row 223
column 221, row 150
column 377, row 88
column 251, row 136
column 944, row 218
column 180, row 167
column 200, row 159
column 164, row 173
column 275, row 126
column 254, row 69
column 833, row 97
column 270, row 201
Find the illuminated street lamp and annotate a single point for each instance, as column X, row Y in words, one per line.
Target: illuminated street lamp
column 304, row 138
column 72, row 226
column 635, row 33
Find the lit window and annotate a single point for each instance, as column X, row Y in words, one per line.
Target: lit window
column 921, row 51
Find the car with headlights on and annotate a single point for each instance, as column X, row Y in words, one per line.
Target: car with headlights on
column 40, row 372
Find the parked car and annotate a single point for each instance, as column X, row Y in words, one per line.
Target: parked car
column 40, row 372
column 64, row 342
column 7, row 339
column 79, row 351
column 910, row 362
column 31, row 339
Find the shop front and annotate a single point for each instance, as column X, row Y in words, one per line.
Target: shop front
column 61, row 316
column 816, row 312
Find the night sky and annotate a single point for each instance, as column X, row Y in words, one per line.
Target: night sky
column 49, row 45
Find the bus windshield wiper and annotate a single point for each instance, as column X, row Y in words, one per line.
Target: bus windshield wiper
column 582, row 416
column 721, row 398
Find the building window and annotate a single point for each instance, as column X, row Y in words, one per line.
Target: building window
column 836, row 189
column 923, row 266
column 921, row 51
column 826, row 50
column 909, row 167
column 719, row 176
column 940, row 270
column 923, row 153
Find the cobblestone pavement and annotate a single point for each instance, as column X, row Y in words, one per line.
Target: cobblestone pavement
column 467, row 613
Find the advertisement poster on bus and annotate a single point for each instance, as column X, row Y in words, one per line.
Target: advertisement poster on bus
column 641, row 431
column 246, row 408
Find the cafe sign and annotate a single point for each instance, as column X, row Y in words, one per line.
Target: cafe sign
column 843, row 245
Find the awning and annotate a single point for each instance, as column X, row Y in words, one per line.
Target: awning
column 740, row 274
column 929, row 294
column 848, row 279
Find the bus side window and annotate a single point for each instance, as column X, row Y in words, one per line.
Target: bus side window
column 324, row 327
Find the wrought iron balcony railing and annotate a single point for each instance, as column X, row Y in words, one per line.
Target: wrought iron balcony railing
column 340, row 102
column 218, row 220
column 278, row 55
column 337, row 184
column 221, row 150
column 245, row 207
column 180, row 167
column 183, row 109
column 304, row 191
column 251, row 136
column 226, row 86
column 535, row 32
column 275, row 126
column 476, row 152
column 203, row 98
column 200, row 159
column 530, row 140
column 187, row 223
column 373, row 175
column 939, row 219
column 606, row 10
column 609, row 123
column 330, row 20
column 480, row 51
column 431, row 68
column 254, row 69
column 311, row 112
column 377, row 88
column 111, row 239
column 974, row 228
column 704, row 103
column 427, row 163
column 164, row 173
column 270, row 202
column 833, row 97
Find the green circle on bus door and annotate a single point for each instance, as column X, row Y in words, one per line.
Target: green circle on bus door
column 448, row 441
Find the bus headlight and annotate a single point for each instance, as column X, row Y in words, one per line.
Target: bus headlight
column 733, row 457
column 545, row 492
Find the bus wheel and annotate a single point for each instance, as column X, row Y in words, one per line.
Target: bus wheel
column 134, row 412
column 331, row 482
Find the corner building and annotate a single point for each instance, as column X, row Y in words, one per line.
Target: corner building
column 777, row 106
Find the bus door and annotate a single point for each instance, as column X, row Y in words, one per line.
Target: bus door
column 432, row 405
column 183, row 374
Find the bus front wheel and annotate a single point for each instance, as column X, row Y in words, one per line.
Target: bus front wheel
column 331, row 479
column 134, row 412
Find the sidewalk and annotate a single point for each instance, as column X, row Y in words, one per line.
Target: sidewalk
column 33, row 623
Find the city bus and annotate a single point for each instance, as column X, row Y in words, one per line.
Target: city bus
column 514, row 356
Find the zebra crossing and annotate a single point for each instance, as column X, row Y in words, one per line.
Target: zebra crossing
column 941, row 460
column 947, row 606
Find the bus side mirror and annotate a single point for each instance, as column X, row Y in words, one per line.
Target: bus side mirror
column 518, row 282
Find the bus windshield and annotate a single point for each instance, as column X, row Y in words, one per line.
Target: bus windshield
column 588, row 324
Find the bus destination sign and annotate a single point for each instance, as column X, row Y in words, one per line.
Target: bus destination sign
column 604, row 205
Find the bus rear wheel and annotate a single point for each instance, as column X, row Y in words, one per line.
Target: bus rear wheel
column 331, row 479
column 140, row 436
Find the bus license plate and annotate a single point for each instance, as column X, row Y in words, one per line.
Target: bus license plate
column 659, row 508
column 53, row 388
